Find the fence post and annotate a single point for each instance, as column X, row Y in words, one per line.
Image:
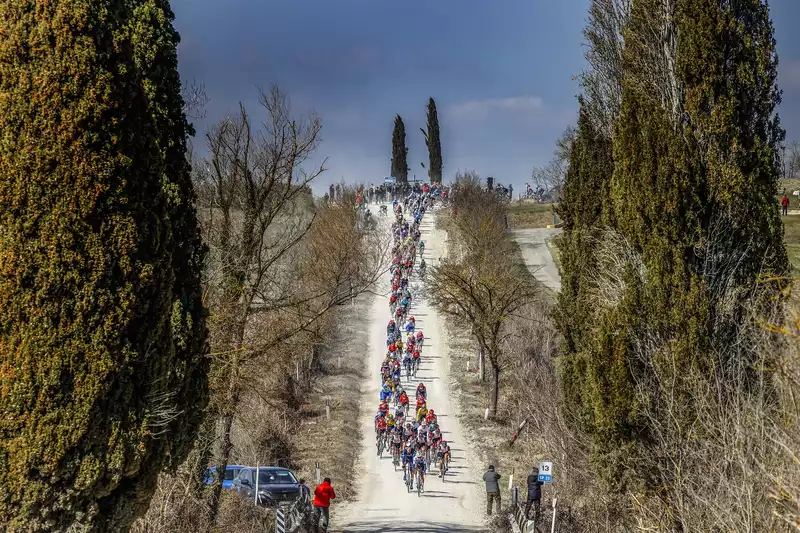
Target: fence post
column 328, row 409
column 258, row 470
column 553, row 526
column 317, row 474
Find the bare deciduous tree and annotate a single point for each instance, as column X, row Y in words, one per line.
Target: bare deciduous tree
column 484, row 285
column 551, row 177
column 602, row 82
column 254, row 200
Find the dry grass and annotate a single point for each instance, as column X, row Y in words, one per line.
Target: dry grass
column 791, row 226
column 335, row 444
column 525, row 214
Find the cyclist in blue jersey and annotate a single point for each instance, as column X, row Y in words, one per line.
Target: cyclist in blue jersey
column 408, row 460
column 386, row 392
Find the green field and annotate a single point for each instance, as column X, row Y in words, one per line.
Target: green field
column 522, row 215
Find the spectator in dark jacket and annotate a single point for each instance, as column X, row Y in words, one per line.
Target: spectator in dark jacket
column 491, row 479
column 534, row 495
column 323, row 495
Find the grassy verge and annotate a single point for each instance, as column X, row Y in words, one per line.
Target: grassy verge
column 523, row 214
column 335, row 443
column 791, row 236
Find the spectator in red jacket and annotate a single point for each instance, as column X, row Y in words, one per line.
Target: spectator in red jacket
column 323, row 495
column 785, row 205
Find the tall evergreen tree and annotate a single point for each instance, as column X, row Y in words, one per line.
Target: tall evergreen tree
column 434, row 144
column 399, row 151
column 103, row 332
column 691, row 206
column 583, row 196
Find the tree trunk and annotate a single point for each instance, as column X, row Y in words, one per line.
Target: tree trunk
column 495, row 393
column 224, row 452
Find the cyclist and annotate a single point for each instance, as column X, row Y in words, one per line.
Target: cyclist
column 422, row 412
column 408, row 362
column 391, row 328
column 430, row 417
column 397, row 441
column 380, row 428
column 419, row 468
column 386, row 391
column 445, row 448
column 408, row 459
column 420, row 402
column 383, row 409
column 390, row 422
column 403, row 399
column 421, row 390
column 408, row 432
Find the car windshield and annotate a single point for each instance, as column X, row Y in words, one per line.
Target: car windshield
column 276, row 477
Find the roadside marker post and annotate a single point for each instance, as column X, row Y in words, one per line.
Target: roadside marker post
column 553, row 526
column 280, row 520
column 317, row 474
column 255, row 496
column 328, row 409
column 546, row 471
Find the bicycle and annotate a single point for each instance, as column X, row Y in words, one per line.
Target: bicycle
column 409, row 478
column 416, row 367
column 442, row 468
column 395, row 457
column 380, row 444
column 420, row 483
column 299, row 517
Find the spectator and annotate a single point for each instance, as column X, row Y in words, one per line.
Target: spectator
column 785, row 204
column 534, row 495
column 323, row 495
column 491, row 479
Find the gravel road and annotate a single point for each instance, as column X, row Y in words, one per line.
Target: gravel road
column 383, row 503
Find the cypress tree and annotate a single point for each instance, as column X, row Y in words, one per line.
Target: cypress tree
column 399, row 151
column 434, row 144
column 692, row 206
column 580, row 208
column 102, row 337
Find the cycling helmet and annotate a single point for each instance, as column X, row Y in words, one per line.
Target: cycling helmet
column 391, row 322
column 412, row 319
column 390, row 416
column 431, row 412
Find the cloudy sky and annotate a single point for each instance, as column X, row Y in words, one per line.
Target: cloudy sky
column 501, row 71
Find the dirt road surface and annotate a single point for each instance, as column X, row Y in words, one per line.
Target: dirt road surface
column 533, row 245
column 383, row 503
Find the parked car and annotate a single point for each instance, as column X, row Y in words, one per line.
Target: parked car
column 275, row 485
column 230, row 474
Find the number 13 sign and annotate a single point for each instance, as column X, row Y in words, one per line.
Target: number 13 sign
column 546, row 471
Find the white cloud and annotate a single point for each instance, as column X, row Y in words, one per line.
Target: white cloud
column 480, row 109
column 789, row 77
